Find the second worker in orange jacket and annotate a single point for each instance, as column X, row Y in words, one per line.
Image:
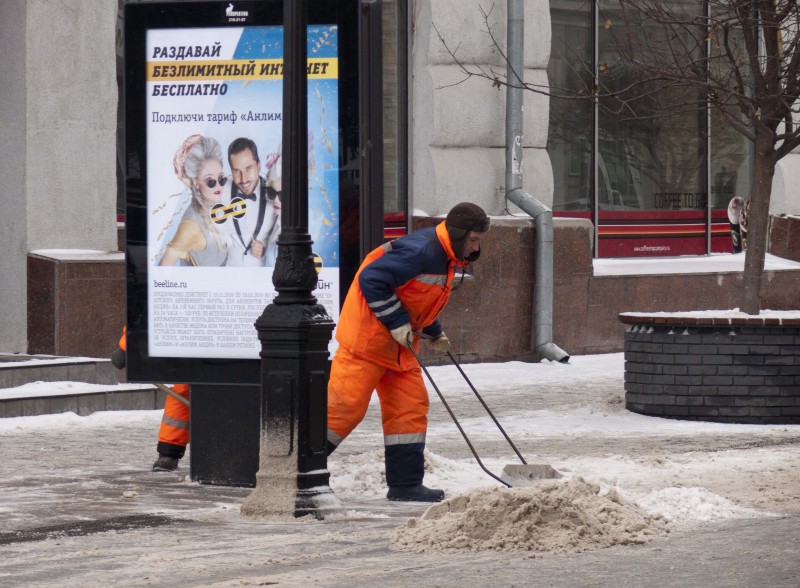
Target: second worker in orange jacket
column 173, row 434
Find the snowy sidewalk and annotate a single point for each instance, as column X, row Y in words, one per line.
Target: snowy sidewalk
column 80, row 507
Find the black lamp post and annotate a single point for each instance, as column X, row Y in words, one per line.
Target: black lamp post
column 294, row 330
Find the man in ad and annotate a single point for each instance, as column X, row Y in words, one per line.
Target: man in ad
column 252, row 231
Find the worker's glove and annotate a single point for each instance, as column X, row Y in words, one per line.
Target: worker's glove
column 118, row 359
column 402, row 334
column 440, row 344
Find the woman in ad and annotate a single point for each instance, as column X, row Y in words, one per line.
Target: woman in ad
column 198, row 241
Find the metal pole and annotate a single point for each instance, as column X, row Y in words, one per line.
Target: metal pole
column 292, row 480
column 295, row 276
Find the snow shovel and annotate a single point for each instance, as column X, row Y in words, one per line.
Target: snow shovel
column 513, row 475
column 171, row 392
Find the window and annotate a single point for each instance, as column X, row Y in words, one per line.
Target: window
column 641, row 164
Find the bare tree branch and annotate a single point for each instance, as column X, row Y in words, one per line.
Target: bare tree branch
column 741, row 60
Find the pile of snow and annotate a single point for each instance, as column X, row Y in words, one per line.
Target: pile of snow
column 355, row 475
column 552, row 516
column 693, row 504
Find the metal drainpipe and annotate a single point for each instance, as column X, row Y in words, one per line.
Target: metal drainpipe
column 542, row 332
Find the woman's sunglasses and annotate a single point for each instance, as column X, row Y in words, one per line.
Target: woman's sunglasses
column 211, row 182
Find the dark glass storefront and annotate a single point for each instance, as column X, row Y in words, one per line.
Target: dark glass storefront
column 640, row 165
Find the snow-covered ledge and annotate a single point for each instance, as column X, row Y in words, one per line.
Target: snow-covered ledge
column 724, row 365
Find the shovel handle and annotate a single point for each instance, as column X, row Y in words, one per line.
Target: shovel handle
column 453, row 416
column 171, row 392
column 479, row 397
column 488, row 411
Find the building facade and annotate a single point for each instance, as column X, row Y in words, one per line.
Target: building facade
column 58, row 106
column 444, row 139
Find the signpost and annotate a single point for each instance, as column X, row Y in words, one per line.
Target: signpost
column 294, row 330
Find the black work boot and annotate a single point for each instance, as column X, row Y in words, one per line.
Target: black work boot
column 418, row 493
column 165, row 463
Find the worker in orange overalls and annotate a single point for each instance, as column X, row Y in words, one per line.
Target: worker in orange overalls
column 173, row 435
column 399, row 290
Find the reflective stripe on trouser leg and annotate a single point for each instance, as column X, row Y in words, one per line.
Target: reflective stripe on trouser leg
column 173, row 435
column 350, row 387
column 333, row 442
column 404, row 409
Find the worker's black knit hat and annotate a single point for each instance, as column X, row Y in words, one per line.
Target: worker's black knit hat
column 462, row 219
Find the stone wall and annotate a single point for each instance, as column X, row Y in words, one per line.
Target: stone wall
column 76, row 302
column 77, row 307
column 586, row 306
column 58, row 139
column 727, row 370
column 784, row 237
column 490, row 315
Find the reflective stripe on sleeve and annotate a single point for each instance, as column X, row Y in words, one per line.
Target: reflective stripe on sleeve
column 389, row 310
column 178, row 424
column 378, row 303
column 432, row 279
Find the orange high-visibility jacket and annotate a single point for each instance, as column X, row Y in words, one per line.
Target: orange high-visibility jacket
column 406, row 280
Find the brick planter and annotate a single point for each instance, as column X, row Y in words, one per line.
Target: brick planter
column 730, row 368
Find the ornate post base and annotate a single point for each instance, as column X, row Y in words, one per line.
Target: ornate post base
column 292, row 480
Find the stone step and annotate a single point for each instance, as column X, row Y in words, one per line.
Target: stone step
column 18, row 369
column 32, row 385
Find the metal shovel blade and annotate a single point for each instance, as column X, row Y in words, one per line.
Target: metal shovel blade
column 516, row 475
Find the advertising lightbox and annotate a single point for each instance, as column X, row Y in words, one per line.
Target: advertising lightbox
column 204, row 91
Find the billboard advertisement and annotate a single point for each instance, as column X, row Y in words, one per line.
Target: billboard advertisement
column 203, row 126
column 214, row 100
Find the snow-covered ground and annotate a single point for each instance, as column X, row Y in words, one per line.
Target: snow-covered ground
column 62, row 469
column 685, row 264
column 573, row 417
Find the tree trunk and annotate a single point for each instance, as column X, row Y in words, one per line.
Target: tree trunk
column 758, row 221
